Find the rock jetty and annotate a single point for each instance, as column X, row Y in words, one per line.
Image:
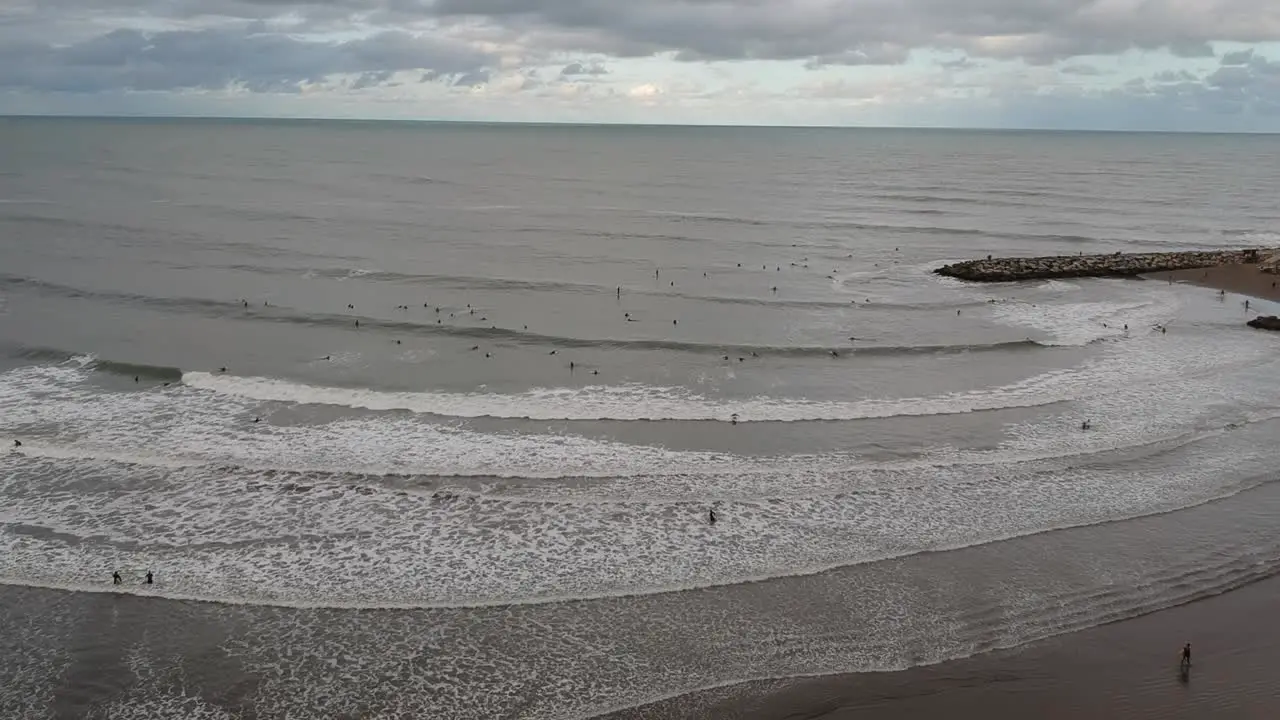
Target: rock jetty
column 1265, row 322
column 1073, row 266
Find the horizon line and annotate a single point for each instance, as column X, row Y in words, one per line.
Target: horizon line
column 606, row 123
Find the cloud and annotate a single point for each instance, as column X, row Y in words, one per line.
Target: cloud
column 215, row 59
column 577, row 68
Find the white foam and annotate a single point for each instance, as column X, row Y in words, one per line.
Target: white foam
column 635, row 402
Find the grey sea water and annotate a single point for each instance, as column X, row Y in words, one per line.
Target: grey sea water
column 417, row 420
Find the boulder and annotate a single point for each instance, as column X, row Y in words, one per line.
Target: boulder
column 1270, row 263
column 1265, row 322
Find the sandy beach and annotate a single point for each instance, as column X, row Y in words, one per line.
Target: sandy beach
column 1239, row 279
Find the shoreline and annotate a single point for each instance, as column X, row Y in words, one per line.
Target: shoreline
column 1125, row 669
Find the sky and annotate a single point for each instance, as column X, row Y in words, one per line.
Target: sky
column 1194, row 65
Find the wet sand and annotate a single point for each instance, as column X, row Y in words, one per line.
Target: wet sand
column 1128, row 669
column 1239, row 279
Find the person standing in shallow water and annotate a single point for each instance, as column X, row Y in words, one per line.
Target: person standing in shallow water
column 711, row 515
column 1186, row 655
column 150, row 579
column 115, row 578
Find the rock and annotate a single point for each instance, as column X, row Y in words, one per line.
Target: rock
column 1112, row 265
column 1270, row 263
column 1265, row 322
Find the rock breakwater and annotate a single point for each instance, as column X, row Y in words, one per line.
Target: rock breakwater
column 1072, row 266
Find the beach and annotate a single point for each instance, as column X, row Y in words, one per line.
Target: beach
column 1240, row 279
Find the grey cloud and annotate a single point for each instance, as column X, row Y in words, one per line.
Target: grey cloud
column 215, row 59
column 577, row 68
column 1040, row 31
column 436, row 35
column 1241, row 57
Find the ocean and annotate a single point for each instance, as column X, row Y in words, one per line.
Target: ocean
column 427, row 420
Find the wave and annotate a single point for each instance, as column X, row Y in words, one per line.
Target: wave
column 664, row 589
column 631, row 402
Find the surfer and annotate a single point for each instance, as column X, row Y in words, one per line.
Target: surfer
column 711, row 515
column 150, row 579
column 1085, row 425
column 17, row 443
column 115, row 578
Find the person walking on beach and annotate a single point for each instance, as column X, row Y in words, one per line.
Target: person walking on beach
column 1186, row 655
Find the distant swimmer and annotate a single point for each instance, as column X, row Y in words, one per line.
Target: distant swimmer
column 711, row 515
column 116, row 579
column 553, row 352
column 571, row 366
column 957, row 312
column 257, row 419
column 475, row 347
column 350, row 306
column 753, row 354
column 1085, row 425
column 397, row 342
column 357, row 323
column 135, row 378
column 595, row 372
column 835, row 354
column 619, row 291
column 17, row 443
column 150, row 578
column 487, row 355
column 222, row 369
column 675, row 322
column 1186, row 655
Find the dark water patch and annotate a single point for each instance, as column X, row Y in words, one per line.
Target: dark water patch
column 154, row 372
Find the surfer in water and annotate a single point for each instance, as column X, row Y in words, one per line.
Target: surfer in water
column 150, row 579
column 115, row 578
column 711, row 515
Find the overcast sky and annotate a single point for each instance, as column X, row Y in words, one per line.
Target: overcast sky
column 1100, row 64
